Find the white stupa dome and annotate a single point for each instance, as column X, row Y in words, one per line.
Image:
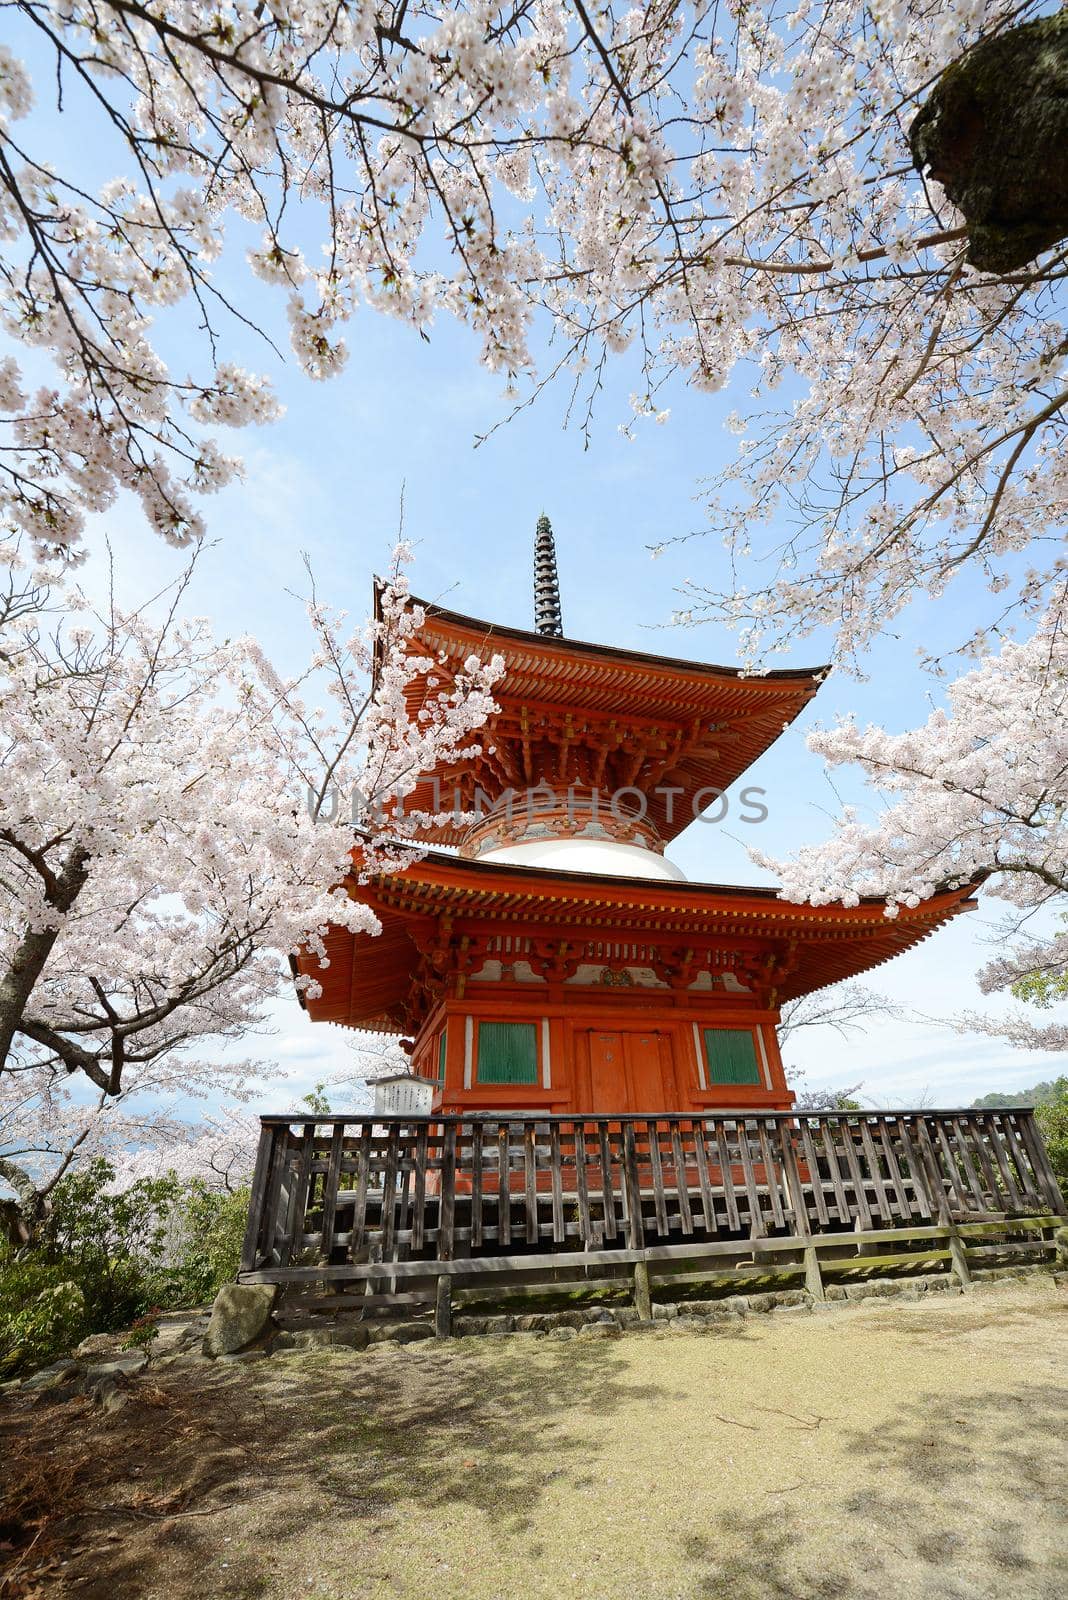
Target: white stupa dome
column 609, row 858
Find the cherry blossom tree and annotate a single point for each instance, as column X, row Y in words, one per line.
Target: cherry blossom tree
column 218, row 1151
column 981, row 790
column 164, row 842
column 49, row 1125
column 720, row 189
column 846, row 1008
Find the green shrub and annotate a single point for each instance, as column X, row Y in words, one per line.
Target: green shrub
column 210, row 1230
column 109, row 1242
column 143, row 1333
column 103, row 1260
column 1052, row 1117
column 42, row 1314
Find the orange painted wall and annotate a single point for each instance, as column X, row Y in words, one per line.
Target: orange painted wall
column 627, row 1053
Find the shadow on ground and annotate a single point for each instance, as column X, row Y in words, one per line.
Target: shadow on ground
column 965, row 1496
column 332, row 1437
column 333, row 1459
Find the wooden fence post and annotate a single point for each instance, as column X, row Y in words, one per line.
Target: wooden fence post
column 447, row 1211
column 374, row 1256
column 250, row 1251
column 643, row 1300
column 632, row 1188
column 443, row 1307
column 959, row 1257
column 796, row 1193
column 813, row 1275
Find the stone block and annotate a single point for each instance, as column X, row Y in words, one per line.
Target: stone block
column 120, row 1366
column 468, row 1327
column 240, row 1313
column 500, row 1324
column 179, row 1330
column 111, row 1397
column 57, row 1376
column 601, row 1330
column 97, row 1344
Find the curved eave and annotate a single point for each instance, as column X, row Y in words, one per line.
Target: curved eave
column 368, row 979
column 476, row 630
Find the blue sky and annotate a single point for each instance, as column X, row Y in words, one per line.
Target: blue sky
column 327, row 480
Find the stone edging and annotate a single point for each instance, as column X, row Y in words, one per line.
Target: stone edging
column 103, row 1376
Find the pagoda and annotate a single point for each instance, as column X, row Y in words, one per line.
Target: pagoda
column 547, row 956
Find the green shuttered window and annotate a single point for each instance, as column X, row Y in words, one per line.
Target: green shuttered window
column 441, row 1054
column 507, row 1052
column 730, row 1056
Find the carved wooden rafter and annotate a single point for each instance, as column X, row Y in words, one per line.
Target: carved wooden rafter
column 555, row 960
column 778, row 965
column 678, row 968
column 447, row 959
column 553, row 745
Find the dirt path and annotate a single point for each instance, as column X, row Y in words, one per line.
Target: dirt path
column 882, row 1450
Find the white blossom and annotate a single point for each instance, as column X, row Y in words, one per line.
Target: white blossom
column 715, row 189
column 981, row 790
column 164, row 842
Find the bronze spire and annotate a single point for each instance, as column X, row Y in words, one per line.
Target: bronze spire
column 546, row 583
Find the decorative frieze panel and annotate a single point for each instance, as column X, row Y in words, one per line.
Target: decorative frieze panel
column 452, row 957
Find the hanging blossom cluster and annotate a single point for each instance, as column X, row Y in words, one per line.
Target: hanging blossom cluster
column 160, row 859
column 707, row 184
column 981, row 789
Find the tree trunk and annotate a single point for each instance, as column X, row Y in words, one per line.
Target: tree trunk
column 20, row 1218
column 34, row 949
column 994, row 134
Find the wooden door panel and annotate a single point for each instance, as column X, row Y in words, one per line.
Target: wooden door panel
column 645, row 1078
column 608, row 1089
column 630, row 1071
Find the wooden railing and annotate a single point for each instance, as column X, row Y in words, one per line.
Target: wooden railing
column 339, row 1198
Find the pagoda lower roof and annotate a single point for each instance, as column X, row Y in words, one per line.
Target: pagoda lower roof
column 689, row 724
column 369, row 979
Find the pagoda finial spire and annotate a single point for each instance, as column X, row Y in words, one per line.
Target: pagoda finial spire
column 546, row 583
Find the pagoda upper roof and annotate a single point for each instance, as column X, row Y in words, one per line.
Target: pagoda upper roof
column 369, row 981
column 691, row 724
column 578, row 672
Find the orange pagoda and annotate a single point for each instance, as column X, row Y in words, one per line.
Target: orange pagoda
column 548, row 957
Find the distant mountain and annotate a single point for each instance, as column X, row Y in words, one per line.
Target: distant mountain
column 1042, row 1094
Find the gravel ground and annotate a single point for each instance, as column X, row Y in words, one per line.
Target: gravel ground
column 874, row 1450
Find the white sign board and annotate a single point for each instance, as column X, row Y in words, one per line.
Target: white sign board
column 405, row 1096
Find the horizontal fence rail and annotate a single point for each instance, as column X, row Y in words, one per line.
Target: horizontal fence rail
column 339, row 1198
